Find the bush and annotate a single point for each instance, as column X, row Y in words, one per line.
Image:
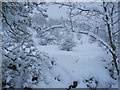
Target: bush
column 67, row 44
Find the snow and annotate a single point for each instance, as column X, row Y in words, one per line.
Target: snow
column 83, row 62
column 8, row 79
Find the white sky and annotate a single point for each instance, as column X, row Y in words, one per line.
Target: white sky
column 55, row 12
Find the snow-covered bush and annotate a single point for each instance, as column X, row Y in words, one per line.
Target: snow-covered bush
column 23, row 65
column 92, row 82
column 43, row 42
column 67, row 44
column 110, row 67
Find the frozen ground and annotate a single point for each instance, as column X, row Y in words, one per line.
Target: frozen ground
column 83, row 62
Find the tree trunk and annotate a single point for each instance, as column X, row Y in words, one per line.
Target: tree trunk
column 119, row 43
column 111, row 38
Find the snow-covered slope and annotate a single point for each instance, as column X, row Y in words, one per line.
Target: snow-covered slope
column 83, row 62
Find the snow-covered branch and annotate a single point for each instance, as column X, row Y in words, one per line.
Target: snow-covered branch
column 12, row 31
column 98, row 39
column 79, row 8
column 52, row 27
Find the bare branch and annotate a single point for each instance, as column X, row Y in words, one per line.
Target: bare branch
column 8, row 23
column 116, row 21
column 116, row 32
column 63, row 4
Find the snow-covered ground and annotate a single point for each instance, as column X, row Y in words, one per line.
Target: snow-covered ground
column 83, row 62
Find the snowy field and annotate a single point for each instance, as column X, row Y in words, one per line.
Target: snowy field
column 85, row 61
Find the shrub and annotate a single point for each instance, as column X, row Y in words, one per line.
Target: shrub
column 67, row 44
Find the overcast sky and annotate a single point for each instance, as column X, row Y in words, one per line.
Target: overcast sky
column 55, row 12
